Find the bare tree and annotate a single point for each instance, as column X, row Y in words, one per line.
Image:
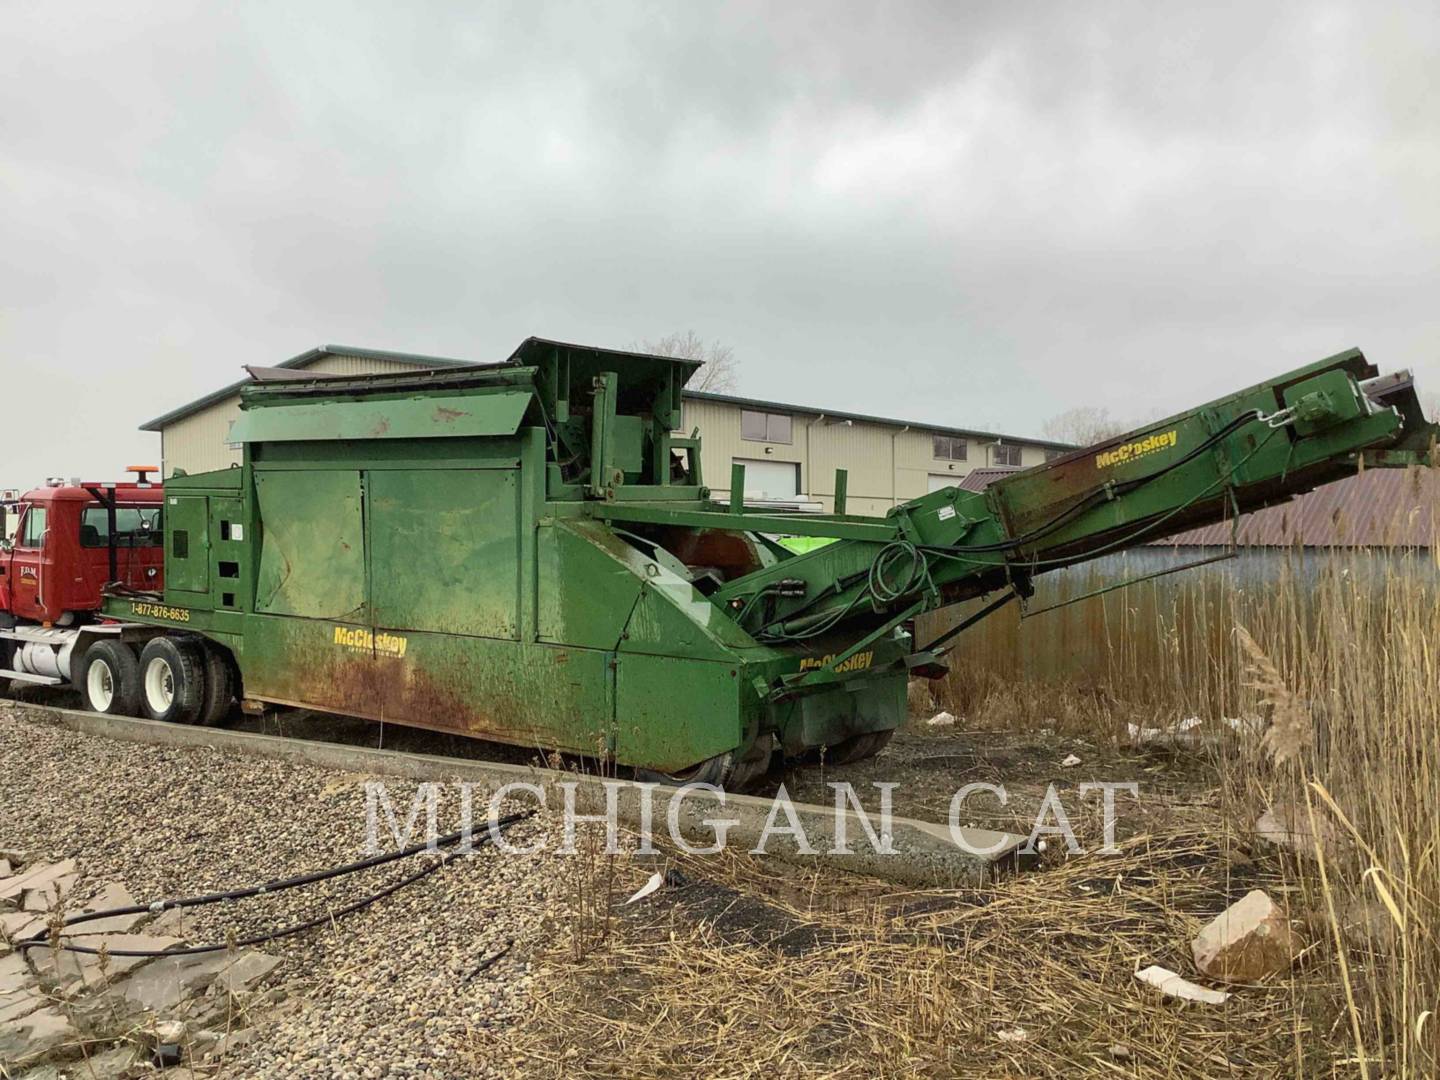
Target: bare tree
column 718, row 376
column 1083, row 425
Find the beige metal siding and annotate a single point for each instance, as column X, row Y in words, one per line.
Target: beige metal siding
column 357, row 365
column 198, row 442
column 886, row 463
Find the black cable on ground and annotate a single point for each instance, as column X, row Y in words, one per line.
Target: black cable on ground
column 42, row 940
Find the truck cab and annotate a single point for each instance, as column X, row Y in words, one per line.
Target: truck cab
column 69, row 540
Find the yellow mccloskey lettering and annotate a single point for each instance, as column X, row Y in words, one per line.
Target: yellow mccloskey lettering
column 858, row 662
column 1119, row 455
column 159, row 611
column 358, row 639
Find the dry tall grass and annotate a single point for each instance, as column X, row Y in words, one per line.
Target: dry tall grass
column 1339, row 652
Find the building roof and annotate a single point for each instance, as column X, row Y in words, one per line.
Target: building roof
column 981, row 477
column 1375, row 508
column 836, row 414
column 305, row 359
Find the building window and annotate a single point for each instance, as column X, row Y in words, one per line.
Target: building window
column 1007, row 455
column 950, row 448
column 756, row 426
column 1051, row 455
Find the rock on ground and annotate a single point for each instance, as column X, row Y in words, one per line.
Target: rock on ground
column 1247, row 941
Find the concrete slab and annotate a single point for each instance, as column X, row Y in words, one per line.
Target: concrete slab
column 110, row 1065
column 163, row 984
column 20, row 992
column 248, row 971
column 111, row 895
column 924, row 854
column 74, row 971
column 14, row 972
column 34, row 877
column 22, row 1002
column 44, row 897
column 18, row 925
column 34, row 1036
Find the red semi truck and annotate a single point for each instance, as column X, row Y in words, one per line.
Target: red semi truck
column 60, row 544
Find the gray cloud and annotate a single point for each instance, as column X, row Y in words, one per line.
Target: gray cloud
column 980, row 214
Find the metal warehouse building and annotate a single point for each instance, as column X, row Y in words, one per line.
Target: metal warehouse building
column 790, row 452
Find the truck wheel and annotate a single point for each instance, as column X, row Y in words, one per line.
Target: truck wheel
column 858, row 747
column 110, row 679
column 172, row 680
column 219, row 695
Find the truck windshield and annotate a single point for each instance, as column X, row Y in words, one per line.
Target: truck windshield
column 135, row 526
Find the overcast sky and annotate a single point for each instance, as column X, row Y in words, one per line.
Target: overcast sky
column 975, row 214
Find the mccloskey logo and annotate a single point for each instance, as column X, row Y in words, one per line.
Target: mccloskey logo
column 1130, row 451
column 362, row 640
column 858, row 662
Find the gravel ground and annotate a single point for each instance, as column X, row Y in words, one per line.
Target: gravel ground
column 400, row 989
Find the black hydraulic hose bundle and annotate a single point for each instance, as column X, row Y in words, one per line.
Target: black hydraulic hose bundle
column 42, row 940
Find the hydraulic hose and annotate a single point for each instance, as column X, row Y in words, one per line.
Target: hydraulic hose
column 42, row 939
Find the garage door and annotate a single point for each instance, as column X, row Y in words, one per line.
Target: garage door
column 938, row 481
column 770, row 479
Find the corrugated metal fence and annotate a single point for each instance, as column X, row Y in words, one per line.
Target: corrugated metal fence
column 1169, row 637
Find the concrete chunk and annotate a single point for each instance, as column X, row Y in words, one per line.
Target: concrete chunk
column 76, row 970
column 19, row 925
column 1246, row 942
column 20, row 992
column 248, row 970
column 162, row 985
column 22, row 1002
column 35, row 877
column 45, row 897
column 111, row 896
column 1173, row 985
column 34, row 1036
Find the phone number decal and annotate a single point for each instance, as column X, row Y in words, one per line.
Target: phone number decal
column 159, row 611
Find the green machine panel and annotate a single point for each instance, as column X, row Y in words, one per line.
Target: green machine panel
column 312, row 545
column 446, row 551
column 674, row 711
column 187, row 559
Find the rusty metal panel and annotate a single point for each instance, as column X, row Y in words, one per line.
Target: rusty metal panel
column 1376, row 508
column 369, row 418
column 312, row 545
column 444, row 546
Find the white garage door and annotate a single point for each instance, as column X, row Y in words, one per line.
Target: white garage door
column 938, row 481
column 770, row 479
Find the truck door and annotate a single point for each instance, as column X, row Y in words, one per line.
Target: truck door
column 26, row 571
